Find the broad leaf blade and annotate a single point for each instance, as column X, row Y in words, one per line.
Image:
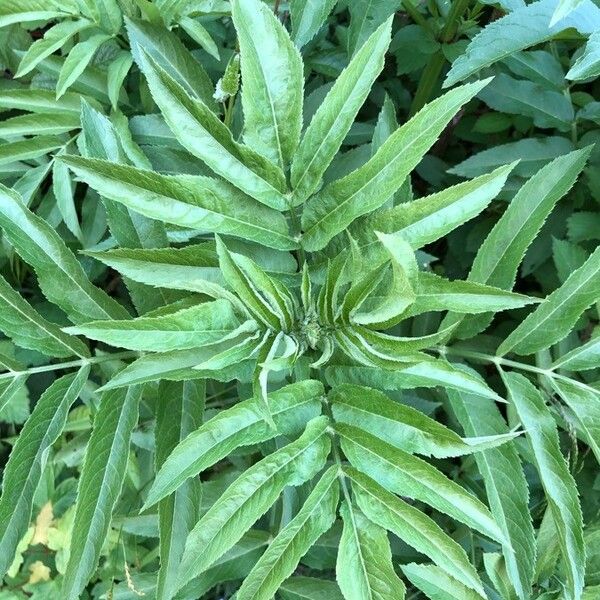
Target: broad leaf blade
column 203, row 134
column 508, row 35
column 194, row 327
column 170, row 53
column 179, row 412
column 505, row 484
column 425, row 220
column 500, row 255
column 333, row 118
column 188, row 201
column 437, row 584
column 307, row 18
column 413, row 527
column 402, row 426
column 582, row 358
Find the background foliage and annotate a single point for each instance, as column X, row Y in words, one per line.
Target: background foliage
column 300, row 301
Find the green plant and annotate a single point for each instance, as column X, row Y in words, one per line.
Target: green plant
column 278, row 329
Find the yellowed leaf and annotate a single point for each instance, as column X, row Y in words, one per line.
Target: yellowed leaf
column 42, row 525
column 39, row 572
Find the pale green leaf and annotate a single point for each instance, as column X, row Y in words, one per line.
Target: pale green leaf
column 265, row 298
column 425, row 220
column 39, row 124
column 524, row 27
column 108, row 140
column 588, row 64
column 413, row 527
column 426, row 373
column 23, row 11
column 56, row 37
column 272, row 82
column 170, row 53
column 28, row 149
column 367, row 188
column 193, row 268
column 505, row 484
column 563, row 8
column 436, row 584
column 11, row 385
column 21, row 322
column 115, row 75
column 198, row 32
column 402, row 426
column 435, row 293
column 62, row 186
column 308, row 16
column 293, row 541
column 584, row 402
column 194, row 327
column 204, row 135
column 500, row 255
column 407, row 475
column 558, row 483
column 179, row 412
column 365, row 16
column 28, row 458
column 586, row 356
column 77, row 60
column 251, row 495
column 100, row 485
column 240, row 425
column 235, row 564
column 188, row 201
column 176, row 365
column 335, row 115
column 60, row 276
column 364, row 569
column 41, row 101
column 556, row 316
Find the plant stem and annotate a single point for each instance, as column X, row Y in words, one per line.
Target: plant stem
column 416, row 16
column 432, row 70
column 505, row 362
column 450, row 28
column 429, row 78
column 229, row 111
column 94, row 360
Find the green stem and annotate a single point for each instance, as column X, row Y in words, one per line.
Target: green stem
column 416, row 16
column 337, row 454
column 429, row 78
column 457, row 10
column 432, row 70
column 94, row 360
column 505, row 362
column 229, row 111
column 297, row 227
